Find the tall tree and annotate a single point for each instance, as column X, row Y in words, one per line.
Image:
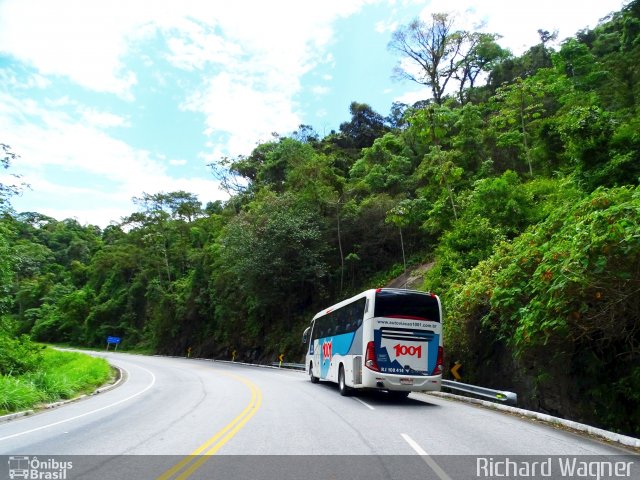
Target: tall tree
column 6, row 254
column 272, row 250
column 482, row 53
column 364, row 127
column 520, row 109
column 432, row 49
column 7, row 156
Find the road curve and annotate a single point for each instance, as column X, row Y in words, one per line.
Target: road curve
column 174, row 407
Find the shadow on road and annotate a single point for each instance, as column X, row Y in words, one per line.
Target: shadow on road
column 380, row 398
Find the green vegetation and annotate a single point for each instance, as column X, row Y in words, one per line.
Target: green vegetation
column 523, row 192
column 56, row 375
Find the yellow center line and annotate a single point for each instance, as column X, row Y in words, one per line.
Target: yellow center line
column 198, row 463
column 211, row 446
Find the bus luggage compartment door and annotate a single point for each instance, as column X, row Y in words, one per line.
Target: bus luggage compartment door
column 357, row 370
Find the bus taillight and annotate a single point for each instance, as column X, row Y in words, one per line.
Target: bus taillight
column 370, row 358
column 439, row 362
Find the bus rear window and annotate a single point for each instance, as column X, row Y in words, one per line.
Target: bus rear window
column 411, row 305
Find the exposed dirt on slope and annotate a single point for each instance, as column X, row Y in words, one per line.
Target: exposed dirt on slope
column 412, row 278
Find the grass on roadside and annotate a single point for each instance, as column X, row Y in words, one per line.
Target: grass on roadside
column 136, row 350
column 62, row 375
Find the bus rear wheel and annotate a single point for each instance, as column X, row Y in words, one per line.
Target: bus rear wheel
column 311, row 377
column 342, row 384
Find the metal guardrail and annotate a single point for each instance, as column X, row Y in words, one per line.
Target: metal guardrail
column 509, row 398
column 296, row 366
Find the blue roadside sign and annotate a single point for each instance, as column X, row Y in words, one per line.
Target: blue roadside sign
column 113, row 340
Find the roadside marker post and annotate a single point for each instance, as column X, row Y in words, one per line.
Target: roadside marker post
column 454, row 370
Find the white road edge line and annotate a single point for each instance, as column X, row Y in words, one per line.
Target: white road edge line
column 153, row 381
column 364, row 403
column 425, row 456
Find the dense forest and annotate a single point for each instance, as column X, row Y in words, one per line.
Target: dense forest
column 517, row 182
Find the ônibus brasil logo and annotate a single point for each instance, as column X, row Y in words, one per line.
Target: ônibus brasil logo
column 34, row 468
column 402, row 350
column 327, row 350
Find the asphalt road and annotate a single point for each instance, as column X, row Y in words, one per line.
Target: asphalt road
column 171, row 415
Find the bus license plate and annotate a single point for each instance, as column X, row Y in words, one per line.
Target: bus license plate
column 406, row 381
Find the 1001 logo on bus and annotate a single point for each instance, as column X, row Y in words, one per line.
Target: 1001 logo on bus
column 402, row 350
column 327, row 350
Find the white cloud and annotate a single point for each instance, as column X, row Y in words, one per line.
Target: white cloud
column 266, row 46
column 247, row 57
column 10, row 78
column 195, row 46
column 329, row 59
column 79, row 39
column 101, row 216
column 264, row 55
column 58, row 102
column 114, row 172
column 320, row 90
column 386, row 27
column 90, row 205
column 178, row 163
column 409, row 98
column 247, row 112
column 99, row 119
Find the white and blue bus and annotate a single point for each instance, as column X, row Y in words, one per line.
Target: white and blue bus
column 384, row 339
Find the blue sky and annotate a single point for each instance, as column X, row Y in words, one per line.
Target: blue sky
column 106, row 100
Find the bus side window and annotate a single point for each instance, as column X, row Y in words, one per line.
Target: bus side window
column 352, row 318
column 340, row 324
column 361, row 308
column 326, row 327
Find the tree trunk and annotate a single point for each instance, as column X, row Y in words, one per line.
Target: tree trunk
column 404, row 260
column 524, row 133
column 340, row 248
